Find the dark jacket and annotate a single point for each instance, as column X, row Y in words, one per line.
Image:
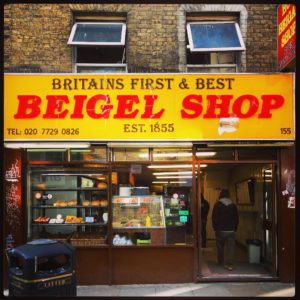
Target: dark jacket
column 225, row 215
column 204, row 210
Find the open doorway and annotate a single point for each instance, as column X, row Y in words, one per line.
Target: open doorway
column 252, row 189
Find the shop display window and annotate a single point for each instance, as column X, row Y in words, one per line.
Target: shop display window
column 69, row 206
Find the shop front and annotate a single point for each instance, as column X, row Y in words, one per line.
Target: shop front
column 115, row 165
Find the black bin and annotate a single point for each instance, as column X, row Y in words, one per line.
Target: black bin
column 42, row 268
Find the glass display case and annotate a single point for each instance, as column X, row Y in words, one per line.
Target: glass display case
column 69, row 206
column 138, row 220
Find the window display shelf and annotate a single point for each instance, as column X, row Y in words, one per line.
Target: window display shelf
column 81, row 197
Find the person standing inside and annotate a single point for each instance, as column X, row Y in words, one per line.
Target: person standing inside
column 204, row 214
column 225, row 222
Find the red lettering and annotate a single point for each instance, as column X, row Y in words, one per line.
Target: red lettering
column 239, row 103
column 126, row 103
column 270, row 102
column 55, row 103
column 78, row 107
column 28, row 107
column 212, row 105
column 91, row 107
column 192, row 103
column 148, row 114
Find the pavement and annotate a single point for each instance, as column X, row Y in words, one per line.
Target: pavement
column 216, row 289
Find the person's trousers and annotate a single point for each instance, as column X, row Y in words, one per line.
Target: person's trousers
column 222, row 238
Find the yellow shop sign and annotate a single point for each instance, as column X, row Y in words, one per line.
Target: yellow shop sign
column 110, row 107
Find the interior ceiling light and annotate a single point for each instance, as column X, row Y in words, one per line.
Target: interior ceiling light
column 170, row 182
column 206, row 154
column 173, row 154
column 41, row 145
column 174, row 177
column 169, row 166
column 174, row 173
column 188, row 166
column 179, row 154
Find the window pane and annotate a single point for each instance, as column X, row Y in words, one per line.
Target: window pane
column 97, row 33
column 99, row 55
column 257, row 153
column 100, row 69
column 215, row 154
column 194, row 69
column 92, row 154
column 214, row 36
column 46, row 154
column 153, row 211
column 172, row 154
column 124, row 154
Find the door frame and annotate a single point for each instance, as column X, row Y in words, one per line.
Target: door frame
column 197, row 220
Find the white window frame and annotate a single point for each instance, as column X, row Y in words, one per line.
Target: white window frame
column 121, row 43
column 101, row 65
column 191, row 43
column 211, row 66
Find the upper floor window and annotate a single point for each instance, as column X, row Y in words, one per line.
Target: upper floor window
column 214, row 43
column 101, row 34
column 99, row 45
column 215, row 36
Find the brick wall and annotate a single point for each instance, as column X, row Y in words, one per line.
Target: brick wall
column 35, row 36
column 261, row 43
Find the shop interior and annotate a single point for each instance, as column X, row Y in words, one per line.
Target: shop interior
column 153, row 197
column 251, row 189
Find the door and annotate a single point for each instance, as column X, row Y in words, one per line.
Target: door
column 269, row 219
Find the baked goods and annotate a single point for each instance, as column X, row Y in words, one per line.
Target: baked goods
column 72, row 203
column 103, row 202
column 101, row 185
column 117, row 224
column 86, row 203
column 60, row 203
column 95, row 202
column 73, row 219
column 41, row 185
column 133, row 223
column 42, row 220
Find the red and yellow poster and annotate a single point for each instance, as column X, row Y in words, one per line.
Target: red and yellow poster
column 158, row 107
column 286, row 16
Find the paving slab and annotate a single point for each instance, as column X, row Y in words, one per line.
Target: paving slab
column 216, row 289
